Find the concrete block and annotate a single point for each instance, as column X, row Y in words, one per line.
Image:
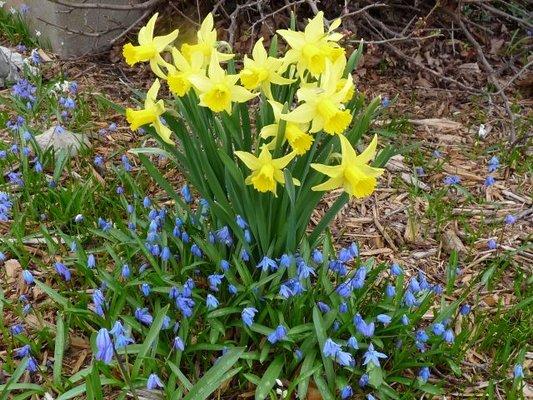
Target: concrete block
column 74, row 32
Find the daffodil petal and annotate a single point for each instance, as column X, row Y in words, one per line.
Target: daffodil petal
column 248, row 159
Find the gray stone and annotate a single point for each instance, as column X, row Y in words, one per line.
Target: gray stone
column 11, row 63
column 62, row 140
column 73, row 31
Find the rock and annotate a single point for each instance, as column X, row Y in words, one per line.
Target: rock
column 11, row 63
column 62, row 140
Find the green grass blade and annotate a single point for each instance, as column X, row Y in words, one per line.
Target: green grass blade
column 59, row 349
column 216, row 375
column 269, row 378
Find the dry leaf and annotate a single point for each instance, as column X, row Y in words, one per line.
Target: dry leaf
column 451, row 241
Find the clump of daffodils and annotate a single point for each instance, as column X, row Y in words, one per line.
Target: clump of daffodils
column 304, row 96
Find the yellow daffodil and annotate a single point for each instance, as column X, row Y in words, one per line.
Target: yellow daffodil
column 296, row 134
column 338, row 67
column 266, row 171
column 353, row 174
column 179, row 78
column 310, row 49
column 151, row 114
column 218, row 89
column 323, row 105
column 262, row 70
column 206, row 43
column 149, row 47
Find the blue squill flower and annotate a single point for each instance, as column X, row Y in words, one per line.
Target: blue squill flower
column 344, row 359
column 363, row 381
column 62, row 270
column 489, row 181
column 305, row 271
column 338, row 267
column 248, row 315
column 330, row 348
column 414, row 286
column 143, row 316
column 450, row 180
column 145, row 289
column 214, row 281
column 344, row 289
column 352, row 343
column 465, row 309
column 22, row 352
column 448, row 336
column 232, row 289
column 345, row 255
column 195, row 250
column 241, row 222
column 409, row 299
column 367, row 330
column 317, row 256
column 277, row 335
column 248, row 236
column 358, row 280
column 494, row 163
column 16, row 329
column 211, row 302
column 323, row 307
column 518, row 371
column 178, row 343
column 186, row 194
column 99, row 302
column 104, row 346
column 492, row 244
column 509, row 219
column 384, row 319
column 244, row 255
column 28, row 277
column 373, row 356
column 267, row 264
column 422, row 336
column 346, row 392
column 91, row 261
column 223, row 235
column 343, row 308
column 424, row 374
column 165, row 254
column 32, row 365
column 438, row 329
column 396, row 270
column 298, row 354
column 405, row 320
column 285, row 261
column 224, row 265
column 125, row 272
column 166, row 322
column 154, row 382
column 390, row 291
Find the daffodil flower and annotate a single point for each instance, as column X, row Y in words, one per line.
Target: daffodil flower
column 149, row 48
column 338, row 67
column 151, row 114
column 262, row 70
column 353, row 174
column 310, row 49
column 323, row 105
column 266, row 171
column 179, row 77
column 296, row 134
column 218, row 89
column 206, row 43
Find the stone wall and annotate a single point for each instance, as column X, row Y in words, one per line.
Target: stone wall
column 73, row 32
